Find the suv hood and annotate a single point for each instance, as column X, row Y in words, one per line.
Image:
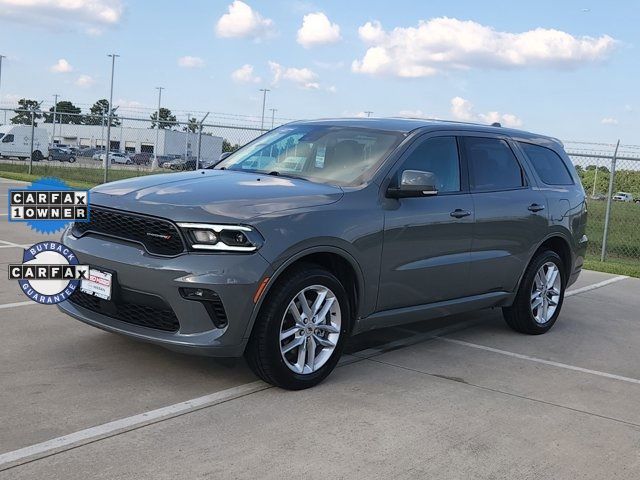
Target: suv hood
column 212, row 195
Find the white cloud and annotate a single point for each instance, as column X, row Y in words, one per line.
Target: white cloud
column 302, row 77
column 61, row 66
column 442, row 43
column 92, row 16
column 190, row 62
column 127, row 104
column 462, row 109
column 332, row 89
column 241, row 21
column 371, row 32
column 317, row 29
column 628, row 108
column 84, row 81
column 244, row 74
column 609, row 121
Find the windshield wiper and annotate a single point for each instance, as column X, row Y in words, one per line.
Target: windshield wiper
column 276, row 173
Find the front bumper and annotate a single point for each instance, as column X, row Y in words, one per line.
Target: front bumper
column 234, row 277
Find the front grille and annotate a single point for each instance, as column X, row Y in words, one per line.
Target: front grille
column 159, row 315
column 160, row 237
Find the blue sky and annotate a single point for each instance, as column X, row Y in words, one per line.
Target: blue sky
column 569, row 69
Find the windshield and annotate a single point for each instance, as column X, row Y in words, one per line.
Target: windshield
column 320, row 153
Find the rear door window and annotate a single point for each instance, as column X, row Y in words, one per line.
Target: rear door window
column 492, row 165
column 547, row 164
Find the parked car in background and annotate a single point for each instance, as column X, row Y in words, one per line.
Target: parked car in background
column 142, row 158
column 61, row 155
column 623, row 197
column 321, row 230
column 181, row 164
column 163, row 159
column 15, row 141
column 117, row 157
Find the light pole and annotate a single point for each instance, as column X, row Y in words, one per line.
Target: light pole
column 5, row 112
column 264, row 102
column 273, row 116
column 106, row 155
column 154, row 165
column 33, row 126
column 55, row 110
column 368, row 112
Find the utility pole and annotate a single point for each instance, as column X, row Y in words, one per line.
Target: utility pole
column 33, row 127
column 186, row 140
column 55, row 111
column 273, row 116
column 264, row 102
column 368, row 112
column 5, row 112
column 106, row 156
column 200, row 140
column 154, row 165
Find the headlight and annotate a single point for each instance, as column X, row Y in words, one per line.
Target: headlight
column 222, row 238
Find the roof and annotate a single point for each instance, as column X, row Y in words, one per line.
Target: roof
column 406, row 125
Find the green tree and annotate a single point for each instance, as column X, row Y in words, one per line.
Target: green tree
column 191, row 126
column 24, row 117
column 227, row 147
column 167, row 119
column 99, row 110
column 66, row 112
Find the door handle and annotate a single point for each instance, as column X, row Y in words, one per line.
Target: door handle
column 535, row 207
column 459, row 213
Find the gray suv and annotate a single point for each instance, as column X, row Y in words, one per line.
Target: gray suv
column 323, row 229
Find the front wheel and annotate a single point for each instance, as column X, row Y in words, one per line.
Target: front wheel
column 300, row 332
column 540, row 296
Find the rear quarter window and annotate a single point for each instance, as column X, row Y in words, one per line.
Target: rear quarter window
column 548, row 165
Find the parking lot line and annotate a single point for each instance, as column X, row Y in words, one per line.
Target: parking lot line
column 541, row 360
column 18, row 304
column 82, row 437
column 11, row 244
column 588, row 288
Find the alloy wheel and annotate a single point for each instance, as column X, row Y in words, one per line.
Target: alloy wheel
column 310, row 329
column 545, row 292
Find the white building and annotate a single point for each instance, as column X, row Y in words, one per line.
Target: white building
column 136, row 140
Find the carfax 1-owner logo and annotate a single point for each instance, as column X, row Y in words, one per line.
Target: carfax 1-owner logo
column 49, row 273
column 48, row 205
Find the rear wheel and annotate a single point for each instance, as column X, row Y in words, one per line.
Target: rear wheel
column 300, row 332
column 72, row 159
column 539, row 299
column 37, row 156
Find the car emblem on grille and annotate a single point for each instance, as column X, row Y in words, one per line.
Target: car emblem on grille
column 158, row 235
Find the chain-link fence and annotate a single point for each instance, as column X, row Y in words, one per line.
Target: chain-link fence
column 610, row 174
column 93, row 148
column 74, row 148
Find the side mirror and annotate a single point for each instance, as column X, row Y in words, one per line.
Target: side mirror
column 224, row 155
column 414, row 183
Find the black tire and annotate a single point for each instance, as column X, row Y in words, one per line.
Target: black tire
column 263, row 350
column 519, row 316
column 72, row 159
column 37, row 156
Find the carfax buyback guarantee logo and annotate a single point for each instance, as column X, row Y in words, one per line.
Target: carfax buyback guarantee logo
column 49, row 273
